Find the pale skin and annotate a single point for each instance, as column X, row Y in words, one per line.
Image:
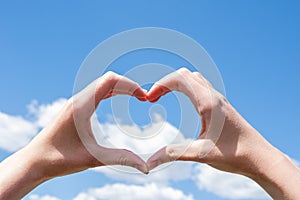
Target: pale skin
column 239, row 149
column 58, row 150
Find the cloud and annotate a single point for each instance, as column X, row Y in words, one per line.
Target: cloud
column 44, row 113
column 143, row 141
column 227, row 185
column 222, row 184
column 45, row 197
column 133, row 192
column 177, row 171
column 17, row 131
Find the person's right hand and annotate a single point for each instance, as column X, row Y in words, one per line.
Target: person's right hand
column 67, row 144
column 227, row 141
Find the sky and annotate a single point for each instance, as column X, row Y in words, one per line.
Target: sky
column 255, row 45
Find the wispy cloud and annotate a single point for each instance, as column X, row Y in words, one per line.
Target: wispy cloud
column 143, row 141
column 227, row 185
column 165, row 133
column 222, row 184
column 44, row 113
column 172, row 172
column 17, row 131
column 133, row 192
column 45, row 197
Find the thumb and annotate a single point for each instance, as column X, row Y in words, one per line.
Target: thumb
column 189, row 151
column 123, row 157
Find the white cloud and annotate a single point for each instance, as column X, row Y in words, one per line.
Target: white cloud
column 45, row 197
column 143, row 141
column 44, row 113
column 223, row 184
column 177, row 171
column 17, row 131
column 227, row 185
column 133, row 192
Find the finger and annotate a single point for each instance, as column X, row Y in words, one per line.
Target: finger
column 123, row 157
column 176, row 81
column 140, row 95
column 167, row 154
column 109, row 95
column 157, row 91
column 191, row 151
column 182, row 81
column 112, row 94
column 108, row 85
column 153, row 100
column 117, row 84
column 159, row 158
column 201, row 78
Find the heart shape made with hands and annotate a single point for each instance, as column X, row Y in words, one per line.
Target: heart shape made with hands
column 192, row 84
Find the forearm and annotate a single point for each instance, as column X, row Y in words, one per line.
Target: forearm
column 19, row 174
column 281, row 180
column 275, row 172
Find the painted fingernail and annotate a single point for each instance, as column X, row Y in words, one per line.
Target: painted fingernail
column 142, row 98
column 152, row 100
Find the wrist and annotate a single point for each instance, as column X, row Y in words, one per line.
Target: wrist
column 274, row 172
column 19, row 174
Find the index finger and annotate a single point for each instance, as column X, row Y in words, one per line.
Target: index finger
column 110, row 84
column 183, row 81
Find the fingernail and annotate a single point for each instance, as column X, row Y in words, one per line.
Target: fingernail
column 152, row 100
column 142, row 98
column 139, row 93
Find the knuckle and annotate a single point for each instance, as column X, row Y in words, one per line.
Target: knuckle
column 178, row 85
column 205, row 107
column 198, row 74
column 122, row 160
column 110, row 75
column 171, row 153
column 183, row 71
column 208, row 83
column 133, row 88
column 216, row 103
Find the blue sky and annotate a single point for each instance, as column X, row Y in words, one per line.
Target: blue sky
column 255, row 45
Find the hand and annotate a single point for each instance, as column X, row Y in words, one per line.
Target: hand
column 61, row 140
column 218, row 146
column 227, row 141
column 58, row 150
